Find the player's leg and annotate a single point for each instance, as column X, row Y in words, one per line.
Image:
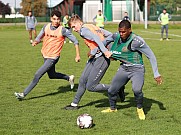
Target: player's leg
column 55, row 75
column 121, row 93
column 97, row 72
column 137, row 79
column 166, row 29
column 82, row 86
column 162, row 30
column 119, row 80
column 30, row 35
column 52, row 74
column 40, row 72
column 34, row 32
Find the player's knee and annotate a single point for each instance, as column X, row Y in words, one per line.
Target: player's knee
column 82, row 81
column 138, row 92
column 36, row 77
column 90, row 88
column 52, row 76
column 112, row 92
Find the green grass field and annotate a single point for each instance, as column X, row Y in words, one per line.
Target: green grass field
column 41, row 112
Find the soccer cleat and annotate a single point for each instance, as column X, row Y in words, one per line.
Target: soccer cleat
column 31, row 41
column 69, row 107
column 167, row 39
column 64, row 42
column 109, row 110
column 70, row 41
column 141, row 113
column 19, row 95
column 71, row 81
column 161, row 39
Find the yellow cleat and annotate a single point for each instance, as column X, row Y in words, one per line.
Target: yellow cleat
column 109, row 110
column 141, row 113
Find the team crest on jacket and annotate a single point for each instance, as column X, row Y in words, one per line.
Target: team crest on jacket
column 124, row 49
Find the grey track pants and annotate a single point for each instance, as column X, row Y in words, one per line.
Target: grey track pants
column 166, row 30
column 91, row 76
column 123, row 75
column 49, row 67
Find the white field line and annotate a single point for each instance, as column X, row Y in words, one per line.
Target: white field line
column 160, row 33
column 163, row 40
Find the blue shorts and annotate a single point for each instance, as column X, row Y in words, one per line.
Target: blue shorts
column 31, row 28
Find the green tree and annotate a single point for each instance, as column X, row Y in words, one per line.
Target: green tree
column 4, row 9
column 170, row 5
column 38, row 7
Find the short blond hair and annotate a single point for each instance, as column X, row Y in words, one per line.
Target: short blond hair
column 74, row 18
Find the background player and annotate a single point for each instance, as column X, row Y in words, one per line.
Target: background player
column 164, row 20
column 100, row 19
column 30, row 23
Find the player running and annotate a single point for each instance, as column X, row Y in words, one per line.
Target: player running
column 53, row 35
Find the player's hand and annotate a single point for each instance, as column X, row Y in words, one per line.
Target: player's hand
column 107, row 54
column 159, row 80
column 34, row 43
column 77, row 59
column 88, row 54
column 112, row 59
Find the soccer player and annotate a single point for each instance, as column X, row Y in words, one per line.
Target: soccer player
column 126, row 17
column 100, row 19
column 30, row 23
column 53, row 35
column 98, row 62
column 128, row 49
column 65, row 24
column 164, row 20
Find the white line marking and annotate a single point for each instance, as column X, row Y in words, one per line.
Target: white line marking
column 163, row 41
column 159, row 33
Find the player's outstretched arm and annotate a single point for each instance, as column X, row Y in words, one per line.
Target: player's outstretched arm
column 77, row 58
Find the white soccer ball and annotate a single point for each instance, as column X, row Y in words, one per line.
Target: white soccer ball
column 85, row 121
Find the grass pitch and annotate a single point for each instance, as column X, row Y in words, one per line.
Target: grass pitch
column 41, row 112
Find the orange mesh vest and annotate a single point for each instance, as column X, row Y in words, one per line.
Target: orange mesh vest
column 97, row 31
column 52, row 42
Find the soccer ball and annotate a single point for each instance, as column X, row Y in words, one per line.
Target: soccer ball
column 84, row 121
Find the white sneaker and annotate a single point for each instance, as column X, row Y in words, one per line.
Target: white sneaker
column 70, row 41
column 31, row 41
column 19, row 95
column 167, row 39
column 64, row 42
column 71, row 81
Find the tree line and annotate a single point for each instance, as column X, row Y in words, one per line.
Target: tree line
column 39, row 7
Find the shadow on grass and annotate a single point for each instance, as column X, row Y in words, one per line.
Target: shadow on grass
column 61, row 89
column 127, row 103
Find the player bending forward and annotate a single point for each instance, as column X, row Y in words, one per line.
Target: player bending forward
column 128, row 48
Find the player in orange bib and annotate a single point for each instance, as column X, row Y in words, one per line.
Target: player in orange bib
column 53, row 35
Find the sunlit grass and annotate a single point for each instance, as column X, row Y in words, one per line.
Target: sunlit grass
column 41, row 112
